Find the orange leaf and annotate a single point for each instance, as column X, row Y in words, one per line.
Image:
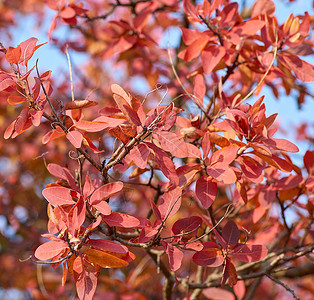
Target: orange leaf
column 302, row 69
column 15, row 99
column 13, row 55
column 211, row 57
column 195, row 49
column 80, row 104
column 105, row 259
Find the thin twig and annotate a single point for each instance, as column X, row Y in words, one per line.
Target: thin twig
column 283, row 285
column 70, row 68
column 47, row 97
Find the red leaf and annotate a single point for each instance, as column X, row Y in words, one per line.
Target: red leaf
column 189, row 35
column 28, row 48
column 112, row 122
column 170, row 203
column 190, row 224
column 6, row 81
column 123, row 101
column 122, row 220
column 13, row 55
column 75, row 138
column 155, row 210
column 21, row 120
column 232, row 275
column 222, row 173
column 289, row 182
column 211, row 56
column 58, row 195
column 251, row 169
column 228, row 15
column 302, row 69
column 166, row 115
column 85, row 276
column 147, row 233
column 94, row 225
column 52, row 26
column 249, row 253
column 239, row 289
column 225, row 271
column 206, row 145
column 210, row 256
column 190, row 10
column 171, row 143
column 224, row 156
column 50, row 249
column 193, row 151
column 231, row 233
column 103, row 207
column 139, row 155
column 276, row 161
column 120, row 45
column 141, row 19
column 67, row 13
column 220, row 240
column 308, row 160
column 36, row 116
column 77, row 216
column 245, row 29
column 220, row 160
column 281, row 144
column 91, row 126
column 199, row 89
column 195, row 49
column 106, row 191
column 88, row 143
column 206, row 191
column 262, row 7
column 175, row 256
column 218, row 294
column 56, row 171
column 165, row 164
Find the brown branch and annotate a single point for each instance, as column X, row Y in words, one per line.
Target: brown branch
column 284, row 285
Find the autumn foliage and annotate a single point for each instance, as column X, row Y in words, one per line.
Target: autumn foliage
column 152, row 170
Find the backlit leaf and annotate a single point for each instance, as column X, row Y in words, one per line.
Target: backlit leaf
column 175, row 256
column 58, row 195
column 170, row 203
column 50, row 249
column 105, row 260
column 249, row 253
column 231, row 233
column 122, row 220
column 76, row 104
column 206, row 191
column 13, row 55
column 302, row 69
column 210, row 256
column 190, row 224
column 75, row 138
column 165, row 164
column 211, row 56
column 106, row 191
column 214, row 293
